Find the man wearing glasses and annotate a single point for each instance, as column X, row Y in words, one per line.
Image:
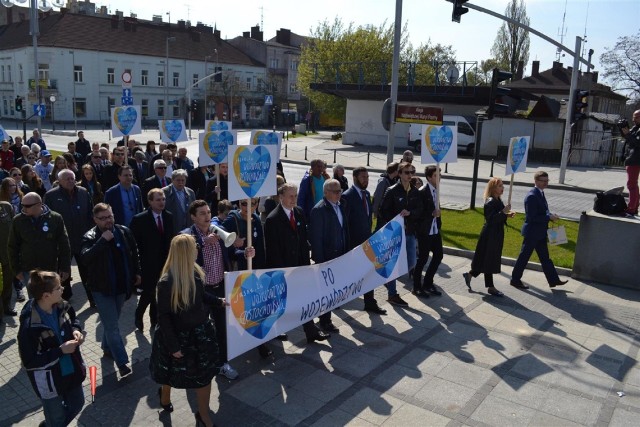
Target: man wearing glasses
column 110, row 253
column 158, row 180
column 111, row 172
column 534, row 230
column 403, row 199
column 38, row 239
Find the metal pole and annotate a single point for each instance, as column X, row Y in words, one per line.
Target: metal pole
column 190, row 112
column 35, row 32
column 73, row 102
column 166, row 80
column 566, row 144
column 476, row 159
column 394, row 79
column 205, row 90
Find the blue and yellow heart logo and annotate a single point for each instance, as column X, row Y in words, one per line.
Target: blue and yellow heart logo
column 258, row 302
column 215, row 125
column 438, row 141
column 384, row 247
column 216, row 145
column 172, row 128
column 251, row 165
column 264, row 138
column 125, row 118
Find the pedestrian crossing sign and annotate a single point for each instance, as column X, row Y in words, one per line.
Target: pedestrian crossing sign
column 268, row 100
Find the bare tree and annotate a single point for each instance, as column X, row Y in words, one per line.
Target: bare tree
column 512, row 42
column 622, row 65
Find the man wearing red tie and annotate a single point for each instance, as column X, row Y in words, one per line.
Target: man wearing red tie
column 153, row 230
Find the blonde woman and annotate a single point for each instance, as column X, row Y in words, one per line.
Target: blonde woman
column 184, row 348
column 488, row 256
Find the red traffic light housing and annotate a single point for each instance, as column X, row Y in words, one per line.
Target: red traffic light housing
column 458, row 10
column 578, row 110
column 497, row 92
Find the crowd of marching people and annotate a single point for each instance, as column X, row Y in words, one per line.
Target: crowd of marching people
column 146, row 222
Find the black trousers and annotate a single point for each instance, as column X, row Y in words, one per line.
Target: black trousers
column 218, row 314
column 488, row 278
column 427, row 244
column 147, row 299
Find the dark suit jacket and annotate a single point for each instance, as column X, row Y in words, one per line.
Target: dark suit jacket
column 151, row 183
column 211, row 196
column 429, row 205
column 138, row 175
column 360, row 220
column 198, row 183
column 181, row 220
column 153, row 246
column 536, row 219
column 328, row 239
column 113, row 198
column 285, row 247
column 110, row 176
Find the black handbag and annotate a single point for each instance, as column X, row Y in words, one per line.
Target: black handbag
column 609, row 204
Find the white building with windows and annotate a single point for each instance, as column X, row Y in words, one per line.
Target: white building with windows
column 81, row 60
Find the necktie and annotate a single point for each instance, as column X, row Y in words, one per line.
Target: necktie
column 292, row 220
column 162, row 182
column 160, row 228
column 364, row 202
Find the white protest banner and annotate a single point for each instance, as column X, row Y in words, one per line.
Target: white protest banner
column 213, row 146
column 4, row 136
column 439, row 144
column 517, row 157
column 126, row 120
column 266, row 303
column 172, row 131
column 252, row 171
column 212, row 125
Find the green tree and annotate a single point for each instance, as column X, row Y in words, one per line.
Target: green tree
column 512, row 42
column 622, row 65
column 486, row 67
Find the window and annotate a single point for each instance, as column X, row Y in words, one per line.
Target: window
column 176, row 79
column 293, row 88
column 43, row 71
column 195, row 79
column 111, row 103
column 274, row 63
column 2, row 71
column 144, row 108
column 5, row 103
column 12, row 107
column 160, row 107
column 20, row 73
column 160, row 78
column 9, row 73
column 176, row 110
column 111, row 76
column 248, row 85
column 77, row 73
column 294, row 65
column 80, row 105
column 144, row 78
column 465, row 129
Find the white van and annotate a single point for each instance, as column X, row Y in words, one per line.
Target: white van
column 466, row 134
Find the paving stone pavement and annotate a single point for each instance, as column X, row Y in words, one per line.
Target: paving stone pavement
column 533, row 358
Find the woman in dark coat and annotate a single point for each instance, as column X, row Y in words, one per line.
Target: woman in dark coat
column 487, row 258
column 184, row 348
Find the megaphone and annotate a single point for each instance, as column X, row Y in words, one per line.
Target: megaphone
column 227, row 238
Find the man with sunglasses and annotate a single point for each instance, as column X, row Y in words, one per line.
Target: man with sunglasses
column 534, row 230
column 159, row 179
column 111, row 172
column 404, row 199
column 38, row 239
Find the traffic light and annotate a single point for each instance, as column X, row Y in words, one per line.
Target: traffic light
column 497, row 92
column 194, row 105
column 579, row 105
column 458, row 10
column 18, row 103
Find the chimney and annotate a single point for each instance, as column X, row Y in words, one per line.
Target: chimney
column 119, row 14
column 157, row 19
column 216, row 34
column 181, row 24
column 256, row 34
column 519, row 71
column 535, row 68
column 246, row 34
column 283, row 36
column 594, row 77
column 557, row 65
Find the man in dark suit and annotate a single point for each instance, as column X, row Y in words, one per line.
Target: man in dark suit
column 534, row 230
column 429, row 237
column 213, row 187
column 360, row 215
column 157, row 180
column 125, row 198
column 140, row 167
column 285, row 234
column 110, row 173
column 198, row 180
column 179, row 198
column 329, row 233
column 153, row 230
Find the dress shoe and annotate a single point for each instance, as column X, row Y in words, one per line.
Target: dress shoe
column 518, row 284
column 396, row 300
column 319, row 336
column 139, row 325
column 374, row 308
column 433, row 291
column 467, row 280
column 558, row 283
column 494, row 292
column 329, row 327
column 124, row 370
column 420, row 293
column 264, row 351
column 10, row 312
column 169, row 406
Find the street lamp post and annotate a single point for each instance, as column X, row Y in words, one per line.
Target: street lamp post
column 73, row 101
column 52, row 99
column 35, row 32
column 206, row 104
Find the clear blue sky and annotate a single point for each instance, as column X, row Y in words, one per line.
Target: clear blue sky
column 605, row 20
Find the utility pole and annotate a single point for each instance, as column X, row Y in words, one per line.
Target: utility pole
column 566, row 141
column 397, row 29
